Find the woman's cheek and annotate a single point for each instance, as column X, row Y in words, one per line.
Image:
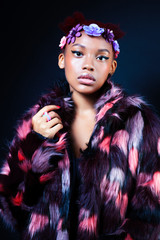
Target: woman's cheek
column 72, row 64
column 103, row 71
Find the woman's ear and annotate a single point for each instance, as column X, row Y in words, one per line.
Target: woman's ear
column 61, row 60
column 113, row 67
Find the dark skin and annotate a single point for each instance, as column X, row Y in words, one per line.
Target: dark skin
column 87, row 63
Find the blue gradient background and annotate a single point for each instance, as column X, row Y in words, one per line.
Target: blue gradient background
column 30, row 38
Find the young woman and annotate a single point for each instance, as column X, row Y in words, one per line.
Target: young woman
column 86, row 164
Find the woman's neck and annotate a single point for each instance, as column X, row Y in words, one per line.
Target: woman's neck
column 84, row 103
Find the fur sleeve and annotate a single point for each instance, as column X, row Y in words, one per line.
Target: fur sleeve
column 143, row 215
column 16, row 170
column 29, row 165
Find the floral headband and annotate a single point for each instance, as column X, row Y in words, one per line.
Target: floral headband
column 92, row 30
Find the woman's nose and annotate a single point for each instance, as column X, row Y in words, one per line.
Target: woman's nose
column 88, row 65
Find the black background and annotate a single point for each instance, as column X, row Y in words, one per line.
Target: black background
column 29, row 49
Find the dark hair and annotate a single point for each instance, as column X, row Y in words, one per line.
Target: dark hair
column 78, row 17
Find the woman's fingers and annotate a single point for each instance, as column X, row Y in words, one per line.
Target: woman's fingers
column 54, row 122
column 53, row 114
column 54, row 130
column 50, row 117
column 47, row 108
column 47, row 122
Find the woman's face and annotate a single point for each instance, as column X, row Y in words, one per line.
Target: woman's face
column 87, row 63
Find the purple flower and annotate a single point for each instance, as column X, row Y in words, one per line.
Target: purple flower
column 93, row 30
column 75, row 32
column 109, row 35
column 116, row 46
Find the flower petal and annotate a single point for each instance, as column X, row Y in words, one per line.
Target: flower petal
column 73, row 39
column 62, row 42
column 93, row 30
column 77, row 26
column 80, row 28
column 78, row 34
column 68, row 40
column 116, row 46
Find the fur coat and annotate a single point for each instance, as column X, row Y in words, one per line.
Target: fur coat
column 119, row 170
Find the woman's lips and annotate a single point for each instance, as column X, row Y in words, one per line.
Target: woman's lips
column 86, row 79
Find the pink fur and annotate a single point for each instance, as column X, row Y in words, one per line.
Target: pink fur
column 116, row 115
column 17, row 200
column 133, row 160
column 144, row 179
column 25, row 166
column 118, row 199
column 46, row 177
column 128, row 237
column 89, row 224
column 65, row 163
column 24, row 129
column 116, row 100
column 105, row 144
column 60, row 145
column 5, row 169
column 103, row 110
column 21, row 156
column 38, row 222
column 106, row 107
column 120, row 139
column 111, row 191
column 156, row 182
column 124, row 205
column 61, row 142
column 59, row 226
column 97, row 138
column 103, row 184
column 84, row 213
column 101, row 132
column 158, row 146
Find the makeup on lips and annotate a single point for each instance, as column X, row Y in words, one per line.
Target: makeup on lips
column 86, row 79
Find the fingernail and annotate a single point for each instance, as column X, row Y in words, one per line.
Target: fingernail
column 58, row 106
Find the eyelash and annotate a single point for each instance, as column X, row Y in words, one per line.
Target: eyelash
column 80, row 54
column 77, row 53
column 102, row 57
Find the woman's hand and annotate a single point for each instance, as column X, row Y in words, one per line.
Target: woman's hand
column 41, row 125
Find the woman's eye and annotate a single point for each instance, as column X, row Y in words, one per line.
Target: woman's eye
column 102, row 58
column 77, row 53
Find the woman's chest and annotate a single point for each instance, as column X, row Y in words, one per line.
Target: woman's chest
column 81, row 131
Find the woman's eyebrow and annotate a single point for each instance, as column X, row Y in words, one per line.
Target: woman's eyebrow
column 79, row 45
column 103, row 50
